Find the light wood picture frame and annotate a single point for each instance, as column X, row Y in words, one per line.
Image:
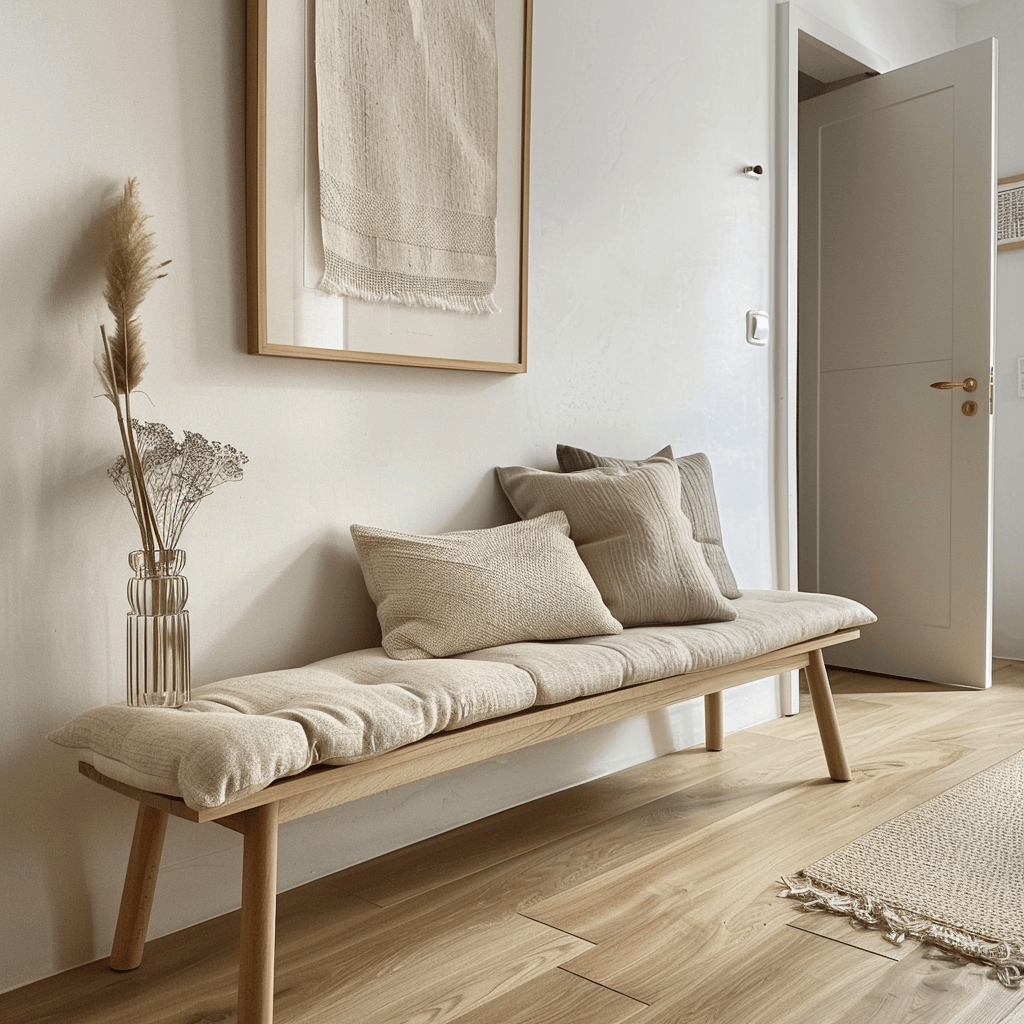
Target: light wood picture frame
column 1010, row 213
column 288, row 316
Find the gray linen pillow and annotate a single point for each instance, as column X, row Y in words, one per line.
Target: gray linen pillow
column 697, row 498
column 632, row 535
column 456, row 592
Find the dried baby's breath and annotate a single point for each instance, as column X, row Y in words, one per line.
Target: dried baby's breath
column 177, row 474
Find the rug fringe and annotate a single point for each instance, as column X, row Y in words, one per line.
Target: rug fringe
column 1005, row 958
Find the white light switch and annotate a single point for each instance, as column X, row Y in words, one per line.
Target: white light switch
column 758, row 327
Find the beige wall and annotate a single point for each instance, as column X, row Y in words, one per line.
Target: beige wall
column 647, row 248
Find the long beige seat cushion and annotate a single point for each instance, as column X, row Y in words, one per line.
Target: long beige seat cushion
column 237, row 736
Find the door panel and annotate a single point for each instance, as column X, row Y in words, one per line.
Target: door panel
column 889, row 175
column 887, row 499
column 896, row 280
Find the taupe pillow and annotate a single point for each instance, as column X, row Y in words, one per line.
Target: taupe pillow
column 632, row 535
column 697, row 498
column 456, row 592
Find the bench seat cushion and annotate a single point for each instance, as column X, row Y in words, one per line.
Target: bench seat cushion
column 237, row 736
column 767, row 621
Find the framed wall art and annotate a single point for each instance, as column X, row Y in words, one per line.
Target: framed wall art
column 289, row 313
column 1010, row 213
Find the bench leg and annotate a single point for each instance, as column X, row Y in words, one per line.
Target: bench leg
column 714, row 721
column 259, row 912
column 825, row 713
column 139, row 886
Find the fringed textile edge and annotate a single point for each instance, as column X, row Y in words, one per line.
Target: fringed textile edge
column 344, row 277
column 1005, row 958
column 474, row 304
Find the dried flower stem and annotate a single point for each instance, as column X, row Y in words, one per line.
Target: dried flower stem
column 131, row 272
column 145, row 517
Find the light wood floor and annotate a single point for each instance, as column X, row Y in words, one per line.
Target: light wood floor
column 648, row 896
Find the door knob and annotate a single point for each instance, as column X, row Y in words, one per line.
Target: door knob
column 968, row 384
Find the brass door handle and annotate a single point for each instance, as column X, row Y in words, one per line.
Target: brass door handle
column 968, row 384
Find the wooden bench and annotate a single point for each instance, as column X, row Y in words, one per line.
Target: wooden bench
column 259, row 816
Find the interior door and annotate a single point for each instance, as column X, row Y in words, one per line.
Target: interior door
column 896, row 293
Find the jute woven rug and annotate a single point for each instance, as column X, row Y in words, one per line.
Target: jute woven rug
column 949, row 873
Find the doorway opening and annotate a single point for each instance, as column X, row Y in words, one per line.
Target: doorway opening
column 828, row 59
column 895, row 484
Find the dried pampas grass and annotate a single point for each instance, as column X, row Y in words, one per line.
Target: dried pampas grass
column 131, row 271
column 163, row 480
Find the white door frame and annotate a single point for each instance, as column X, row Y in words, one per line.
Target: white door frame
column 791, row 20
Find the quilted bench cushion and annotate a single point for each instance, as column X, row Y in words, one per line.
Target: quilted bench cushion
column 767, row 620
column 237, row 736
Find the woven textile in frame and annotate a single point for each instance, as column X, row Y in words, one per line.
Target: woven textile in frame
column 407, row 102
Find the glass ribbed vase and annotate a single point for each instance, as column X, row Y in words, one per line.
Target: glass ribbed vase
column 159, row 654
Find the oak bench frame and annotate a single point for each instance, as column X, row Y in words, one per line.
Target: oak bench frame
column 258, row 816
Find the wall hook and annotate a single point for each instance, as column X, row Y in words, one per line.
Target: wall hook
column 754, row 171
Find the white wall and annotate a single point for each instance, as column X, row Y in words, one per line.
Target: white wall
column 648, row 246
column 902, row 31
column 1004, row 19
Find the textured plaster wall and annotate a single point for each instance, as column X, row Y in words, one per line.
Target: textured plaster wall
column 647, row 248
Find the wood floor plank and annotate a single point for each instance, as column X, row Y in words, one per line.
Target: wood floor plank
column 564, row 863
column 337, row 957
column 430, row 980
column 802, row 728
column 845, row 680
column 809, row 980
column 1006, row 729
column 557, row 997
column 886, row 730
column 829, row 815
column 842, row 929
column 500, row 838
column 185, row 978
column 790, row 979
column 692, row 898
column 1015, row 1015
column 927, row 987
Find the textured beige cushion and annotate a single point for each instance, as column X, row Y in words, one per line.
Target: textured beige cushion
column 697, row 499
column 633, row 536
column 767, row 620
column 237, row 736
column 438, row 596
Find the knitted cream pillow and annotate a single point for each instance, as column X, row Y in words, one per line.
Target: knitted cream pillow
column 697, row 500
column 456, row 592
column 632, row 535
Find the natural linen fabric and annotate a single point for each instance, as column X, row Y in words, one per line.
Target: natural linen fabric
column 407, row 102
column 632, row 535
column 237, row 736
column 948, row 872
column 442, row 595
column 697, row 499
column 767, row 620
